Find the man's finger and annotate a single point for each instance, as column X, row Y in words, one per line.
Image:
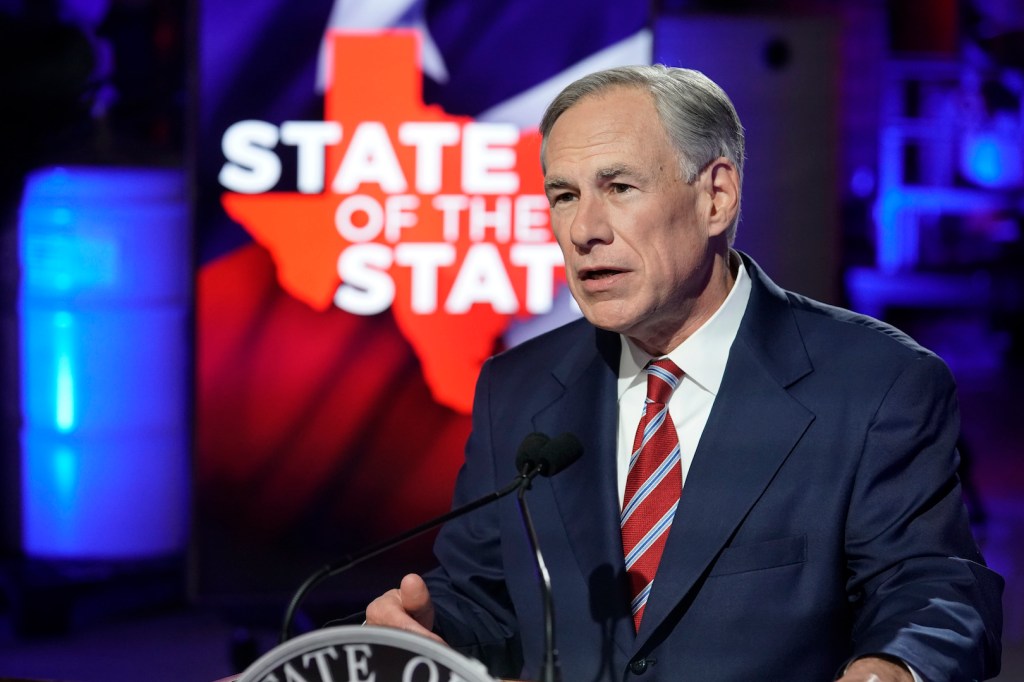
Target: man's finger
column 416, row 600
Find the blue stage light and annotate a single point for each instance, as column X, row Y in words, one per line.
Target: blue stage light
column 103, row 305
column 994, row 157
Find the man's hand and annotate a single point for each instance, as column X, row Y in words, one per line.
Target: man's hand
column 407, row 608
column 873, row 669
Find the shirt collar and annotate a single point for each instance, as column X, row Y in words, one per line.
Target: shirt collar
column 703, row 355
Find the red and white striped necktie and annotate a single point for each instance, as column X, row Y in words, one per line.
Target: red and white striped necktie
column 653, row 484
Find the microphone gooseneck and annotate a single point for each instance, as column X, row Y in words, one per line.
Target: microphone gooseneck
column 533, row 453
column 554, row 456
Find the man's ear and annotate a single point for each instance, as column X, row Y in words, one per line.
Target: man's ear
column 724, row 186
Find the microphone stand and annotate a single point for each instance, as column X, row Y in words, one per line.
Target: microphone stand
column 332, row 569
column 550, row 672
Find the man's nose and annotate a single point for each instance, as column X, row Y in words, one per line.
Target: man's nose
column 590, row 224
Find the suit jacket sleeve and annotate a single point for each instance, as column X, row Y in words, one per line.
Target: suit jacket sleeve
column 474, row 613
column 916, row 579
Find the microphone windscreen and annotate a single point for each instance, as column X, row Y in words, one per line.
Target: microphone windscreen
column 559, row 453
column 529, row 451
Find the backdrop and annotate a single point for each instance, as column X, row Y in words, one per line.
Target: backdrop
column 371, row 226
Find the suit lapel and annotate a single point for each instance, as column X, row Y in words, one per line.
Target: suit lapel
column 753, row 427
column 586, row 494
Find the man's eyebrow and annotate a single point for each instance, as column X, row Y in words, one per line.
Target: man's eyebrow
column 555, row 183
column 622, row 170
column 612, row 172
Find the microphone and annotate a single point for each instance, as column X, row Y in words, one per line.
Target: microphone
column 529, row 452
column 537, row 455
column 549, row 456
column 555, row 456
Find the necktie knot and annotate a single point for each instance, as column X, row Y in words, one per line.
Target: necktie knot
column 663, row 376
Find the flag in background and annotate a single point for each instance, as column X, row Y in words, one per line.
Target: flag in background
column 296, row 461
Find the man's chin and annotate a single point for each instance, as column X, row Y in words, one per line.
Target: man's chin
column 612, row 321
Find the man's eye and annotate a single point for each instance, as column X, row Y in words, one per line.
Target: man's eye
column 561, row 198
column 620, row 187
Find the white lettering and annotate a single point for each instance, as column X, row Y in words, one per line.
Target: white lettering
column 482, row 279
column 366, row 287
column 525, row 218
column 424, row 259
column 359, row 204
column 429, row 139
column 500, row 219
column 399, row 214
column 252, row 165
column 488, row 168
column 451, row 207
column 532, row 218
column 310, row 139
column 370, row 158
column 540, row 261
column 358, row 658
column 320, row 656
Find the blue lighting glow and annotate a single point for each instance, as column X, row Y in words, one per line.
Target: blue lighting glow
column 985, row 162
column 103, row 307
column 65, row 476
column 65, row 384
column 994, row 157
column 61, row 216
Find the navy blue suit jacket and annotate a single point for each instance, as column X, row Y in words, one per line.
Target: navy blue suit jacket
column 821, row 519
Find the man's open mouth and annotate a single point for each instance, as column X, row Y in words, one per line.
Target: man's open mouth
column 599, row 273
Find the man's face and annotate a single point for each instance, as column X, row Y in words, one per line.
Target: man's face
column 634, row 234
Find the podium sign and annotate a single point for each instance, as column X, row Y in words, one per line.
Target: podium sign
column 365, row 653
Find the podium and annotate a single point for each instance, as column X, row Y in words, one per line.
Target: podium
column 350, row 653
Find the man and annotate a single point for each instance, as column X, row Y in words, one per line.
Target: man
column 813, row 528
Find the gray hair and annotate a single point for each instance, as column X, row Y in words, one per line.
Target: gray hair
column 698, row 116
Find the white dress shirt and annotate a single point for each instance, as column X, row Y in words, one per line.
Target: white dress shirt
column 702, row 358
